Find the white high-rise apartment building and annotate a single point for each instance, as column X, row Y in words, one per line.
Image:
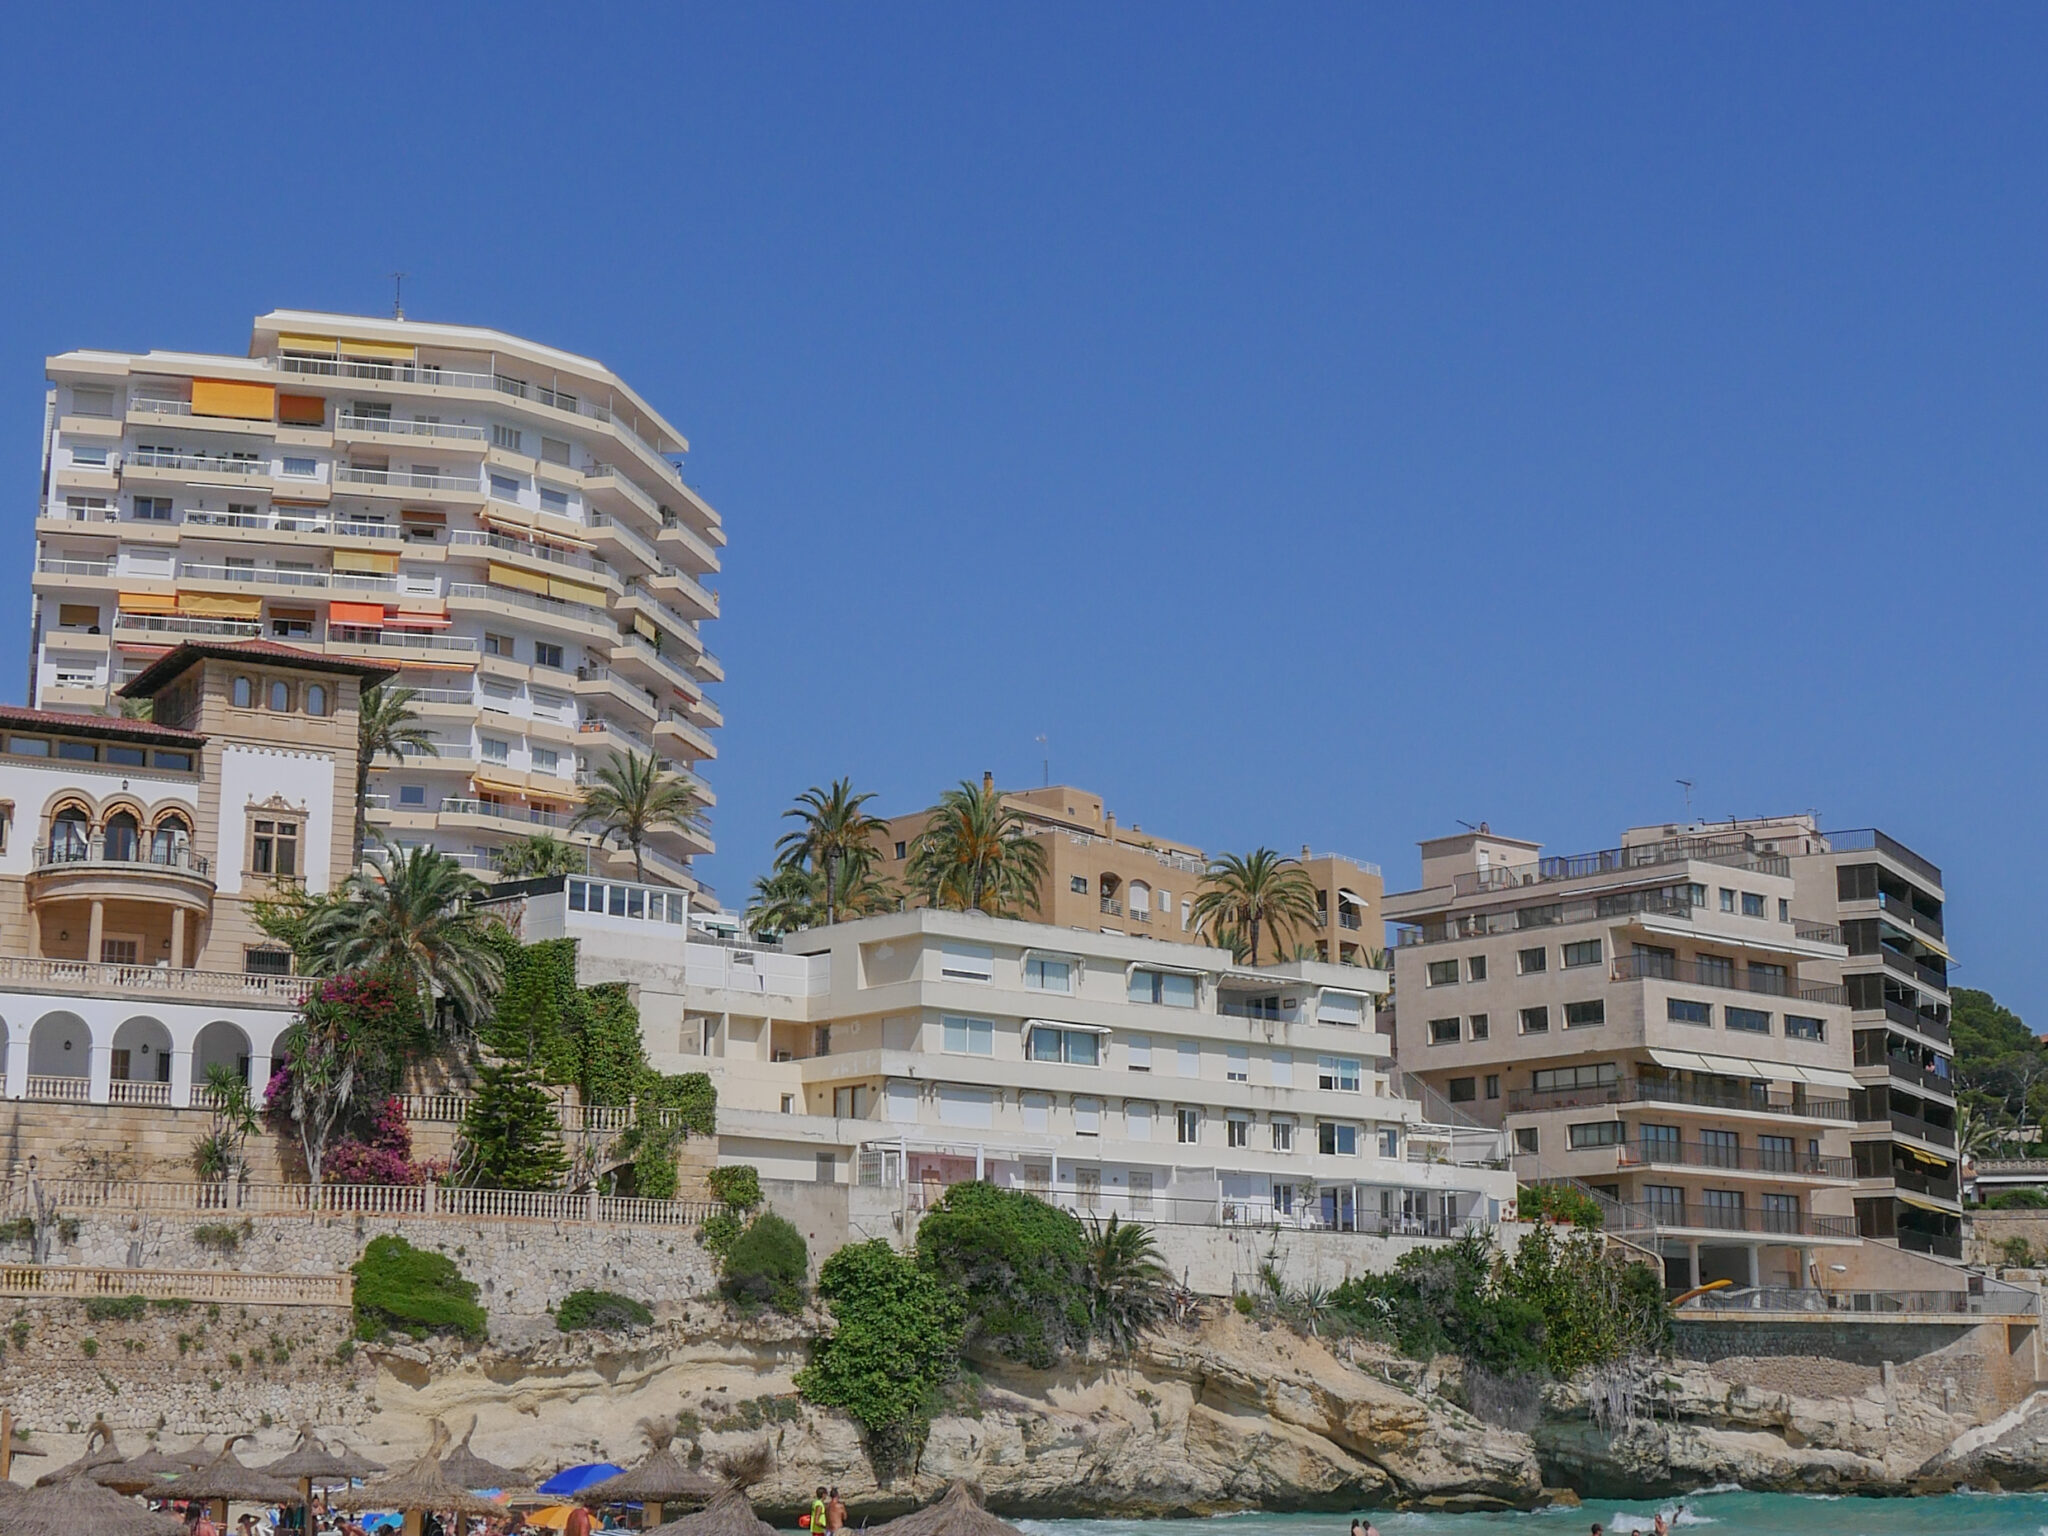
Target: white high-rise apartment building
column 502, row 521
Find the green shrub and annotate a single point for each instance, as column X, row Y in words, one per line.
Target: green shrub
column 90, row 1346
column 720, row 1231
column 895, row 1342
column 1022, row 1265
column 767, row 1263
column 2016, row 1253
column 610, row 1062
column 22, row 1229
column 737, row 1185
column 2018, row 1200
column 511, row 1134
column 605, row 1310
column 1244, row 1304
column 1558, row 1202
column 402, row 1287
column 223, row 1237
column 118, row 1309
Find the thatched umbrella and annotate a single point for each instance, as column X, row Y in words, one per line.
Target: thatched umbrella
column 79, row 1504
column 660, row 1480
column 140, row 1473
column 226, row 1477
column 727, row 1515
column 310, row 1462
column 417, row 1490
column 100, row 1451
column 464, row 1468
column 958, row 1513
column 354, row 1464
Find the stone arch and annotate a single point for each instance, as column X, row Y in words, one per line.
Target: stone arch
column 121, row 833
column 60, row 1045
column 147, row 1044
column 70, row 829
column 221, row 1044
column 170, row 829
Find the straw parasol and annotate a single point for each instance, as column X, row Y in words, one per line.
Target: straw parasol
column 140, row 1473
column 79, row 1504
column 225, row 1477
column 727, row 1515
column 100, row 1451
column 464, row 1468
column 662, row 1479
column 353, row 1464
column 417, row 1489
column 958, row 1513
column 310, row 1462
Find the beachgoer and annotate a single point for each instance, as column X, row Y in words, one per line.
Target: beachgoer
column 1371, row 1529
column 818, row 1508
column 835, row 1511
column 578, row 1523
column 204, row 1525
column 1662, row 1527
column 1358, row 1528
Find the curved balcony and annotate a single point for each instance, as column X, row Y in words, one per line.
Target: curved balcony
column 88, row 869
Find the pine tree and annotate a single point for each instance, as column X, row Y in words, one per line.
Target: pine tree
column 511, row 1137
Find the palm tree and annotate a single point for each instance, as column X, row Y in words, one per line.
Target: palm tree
column 1127, row 1283
column 977, row 854
column 386, row 723
column 633, row 796
column 538, row 854
column 783, row 902
column 413, row 918
column 834, row 830
column 1251, row 892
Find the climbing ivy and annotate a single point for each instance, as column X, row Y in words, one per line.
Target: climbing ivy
column 536, row 1011
column 611, row 1062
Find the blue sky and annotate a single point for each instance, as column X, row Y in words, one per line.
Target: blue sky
column 1322, row 422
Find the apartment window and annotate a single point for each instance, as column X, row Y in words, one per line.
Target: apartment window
column 89, row 458
column 1443, row 1032
column 1774, row 979
column 1493, row 1085
column 1138, row 1053
column 1281, row 1066
column 1530, row 961
column 151, row 509
column 1337, row 1074
column 125, row 757
column 79, row 751
column 967, row 962
column 266, row 962
column 1535, row 1021
column 1078, row 884
column 1187, row 1125
column 1799, row 1027
column 1720, row 1149
column 507, row 438
column 1525, row 1140
column 300, row 469
column 1780, row 1212
column 968, row 1037
column 1087, row 1122
column 279, row 696
column 1167, row 988
column 1237, row 1063
column 1335, row 1139
column 1237, row 1131
column 1659, row 1142
column 1750, row 1020
column 1579, row 1015
column 1776, row 1154
column 1477, row 1027
column 1715, row 970
column 1047, row 975
column 546, row 655
column 1721, row 1208
column 494, row 749
column 1752, row 904
column 274, row 848
column 546, row 760
column 1600, row 1074
column 1666, row 1203
column 1475, row 967
column 1443, row 973
column 1594, row 1133
column 92, row 400
column 1463, row 1090
column 1283, row 1135
column 412, row 794
column 1784, row 910
column 1727, row 899
column 180, row 762
column 1075, row 1047
column 552, row 500
column 1654, row 960
column 554, row 451
column 1680, row 1010
column 291, row 623
column 1585, row 952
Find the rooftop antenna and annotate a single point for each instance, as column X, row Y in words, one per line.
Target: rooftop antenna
column 1046, row 762
column 398, row 295
column 1686, row 785
column 1461, row 821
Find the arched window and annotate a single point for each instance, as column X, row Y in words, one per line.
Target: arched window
column 68, row 834
column 244, row 694
column 171, row 834
column 124, row 835
column 280, row 696
column 316, row 699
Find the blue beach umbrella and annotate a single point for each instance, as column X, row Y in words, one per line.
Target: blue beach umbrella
column 573, row 1480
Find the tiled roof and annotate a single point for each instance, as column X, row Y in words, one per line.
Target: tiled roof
column 169, row 665
column 103, row 727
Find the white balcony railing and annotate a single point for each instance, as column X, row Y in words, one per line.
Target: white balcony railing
column 464, row 538
column 146, row 624
column 197, row 463
column 385, row 426
column 639, row 548
column 258, row 575
column 402, row 479
column 18, row 972
column 74, row 567
column 399, row 640
column 393, row 372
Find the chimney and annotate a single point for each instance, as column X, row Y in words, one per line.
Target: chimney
column 1304, row 853
column 1109, row 821
column 988, row 781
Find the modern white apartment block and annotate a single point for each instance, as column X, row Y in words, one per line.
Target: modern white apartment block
column 920, row 1049
column 501, row 521
column 1663, row 1021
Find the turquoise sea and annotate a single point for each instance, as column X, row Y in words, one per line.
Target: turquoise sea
column 1702, row 1514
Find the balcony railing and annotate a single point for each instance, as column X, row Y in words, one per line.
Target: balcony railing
column 2004, row 1301
column 290, row 522
column 1691, row 973
column 584, row 613
column 1657, row 1153
column 138, row 1091
column 1816, row 933
column 405, row 479
column 1907, row 912
column 1906, row 965
column 198, row 463
column 1949, row 1188
column 1112, row 907
column 49, row 567
column 392, row 372
column 618, row 480
column 265, row 576
column 386, row 426
column 399, row 640
column 523, row 815
column 1479, row 925
column 1925, row 1130
column 474, row 538
column 138, row 855
column 1699, row 1216
column 1651, row 1090
column 641, row 550
column 147, row 407
column 59, row 1090
column 1736, row 852
column 183, row 624
column 1912, row 1018
column 1869, row 837
column 19, row 972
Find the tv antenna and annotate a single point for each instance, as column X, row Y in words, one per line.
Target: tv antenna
column 1461, row 821
column 398, row 295
column 1686, row 785
column 1045, row 763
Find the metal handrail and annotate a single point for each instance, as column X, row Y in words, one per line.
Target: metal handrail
column 1691, row 973
column 386, row 426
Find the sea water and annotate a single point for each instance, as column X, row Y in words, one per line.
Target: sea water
column 1712, row 1513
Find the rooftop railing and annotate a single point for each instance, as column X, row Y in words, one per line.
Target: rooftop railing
column 389, row 372
column 1861, row 838
column 1732, row 851
column 1993, row 1300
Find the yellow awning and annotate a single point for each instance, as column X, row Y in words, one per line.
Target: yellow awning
column 1922, row 1157
column 507, row 517
column 562, row 529
column 498, row 786
column 224, row 397
column 148, row 602
column 512, row 576
column 365, row 561
column 644, row 627
column 390, row 349
column 323, row 345
column 575, row 591
column 213, row 607
column 1920, row 1205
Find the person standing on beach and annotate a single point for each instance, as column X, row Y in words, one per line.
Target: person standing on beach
column 817, row 1521
column 835, row 1512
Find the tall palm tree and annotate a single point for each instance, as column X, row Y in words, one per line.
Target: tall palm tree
column 1254, row 892
column 834, row 829
column 413, row 918
column 791, row 897
column 632, row 798
column 386, row 723
column 1126, row 1281
column 538, row 854
column 977, row 854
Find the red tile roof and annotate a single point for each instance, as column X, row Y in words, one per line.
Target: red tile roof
column 159, row 673
column 103, row 727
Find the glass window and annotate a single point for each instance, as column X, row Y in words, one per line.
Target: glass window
column 1443, row 973
column 1493, row 1085
column 1578, row 1015
column 1283, row 1135
column 1336, row 1139
column 1337, row 1074
column 29, row 746
column 1751, row 1020
column 302, row 469
column 415, row 794
column 177, row 762
column 125, row 757
column 1237, row 1063
column 1443, row 1032
column 316, row 699
column 1530, row 961
column 1164, row 987
column 79, row 751
column 546, row 655
column 1475, row 968
column 1075, row 1047
column 1666, row 1203
column 969, row 1037
column 1463, row 1090
column 1078, row 884
column 1727, row 899
column 1776, row 1154
column 1138, row 1053
column 1048, row 975
column 244, row 693
column 1681, row 1010
column 1477, row 1027
column 1525, row 1139
column 267, row 962
column 505, row 487
column 1752, row 904
column 1585, row 952
column 1596, row 1133
column 1599, row 1074
column 1188, row 1125
column 967, row 962
column 1238, row 1131
column 1799, row 1027
column 1535, row 1021
column 1784, row 910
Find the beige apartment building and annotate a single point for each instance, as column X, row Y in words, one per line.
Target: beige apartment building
column 1109, row 878
column 1662, row 1021
column 499, row 522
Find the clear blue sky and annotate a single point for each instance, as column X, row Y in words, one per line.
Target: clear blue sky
column 1323, row 422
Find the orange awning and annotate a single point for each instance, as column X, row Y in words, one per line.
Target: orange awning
column 417, row 621
column 225, row 397
column 148, row 602
column 355, row 613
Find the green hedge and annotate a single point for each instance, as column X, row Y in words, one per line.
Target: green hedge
column 605, row 1310
column 737, row 1186
column 409, row 1290
column 767, row 1263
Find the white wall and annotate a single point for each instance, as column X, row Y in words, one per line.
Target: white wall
column 252, row 775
